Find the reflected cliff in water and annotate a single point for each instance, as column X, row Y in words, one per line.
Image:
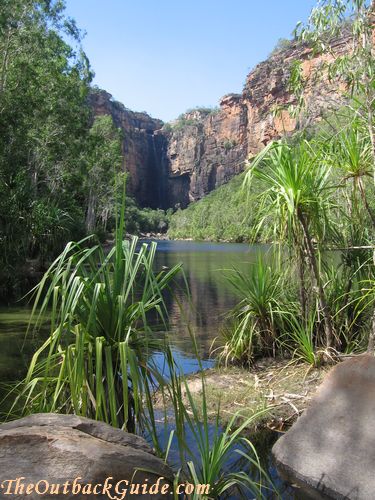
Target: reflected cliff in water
column 210, row 299
column 211, row 296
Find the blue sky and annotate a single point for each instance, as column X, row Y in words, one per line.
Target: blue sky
column 165, row 56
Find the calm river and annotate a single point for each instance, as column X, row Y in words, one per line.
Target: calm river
column 211, row 297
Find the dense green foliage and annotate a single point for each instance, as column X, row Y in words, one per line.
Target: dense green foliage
column 317, row 194
column 43, row 123
column 145, row 220
column 102, row 173
column 58, row 166
column 224, row 214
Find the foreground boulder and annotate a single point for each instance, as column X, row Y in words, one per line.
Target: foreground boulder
column 330, row 450
column 44, row 452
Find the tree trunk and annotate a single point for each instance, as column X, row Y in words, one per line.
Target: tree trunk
column 90, row 214
column 302, row 290
column 301, row 275
column 371, row 339
column 365, row 202
column 4, row 65
column 328, row 324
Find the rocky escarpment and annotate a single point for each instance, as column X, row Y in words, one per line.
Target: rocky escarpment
column 174, row 164
column 206, row 149
column 142, row 149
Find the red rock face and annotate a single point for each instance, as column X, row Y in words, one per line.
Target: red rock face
column 267, row 90
column 209, row 150
column 215, row 148
column 182, row 163
column 141, row 147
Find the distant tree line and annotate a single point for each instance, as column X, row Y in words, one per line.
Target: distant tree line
column 58, row 166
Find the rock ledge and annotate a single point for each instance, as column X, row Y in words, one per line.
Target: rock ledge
column 331, row 448
column 59, row 448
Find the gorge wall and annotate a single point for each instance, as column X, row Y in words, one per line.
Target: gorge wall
column 173, row 164
column 143, row 149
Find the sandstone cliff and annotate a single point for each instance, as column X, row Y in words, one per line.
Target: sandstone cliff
column 181, row 162
column 142, row 149
column 213, row 147
column 206, row 150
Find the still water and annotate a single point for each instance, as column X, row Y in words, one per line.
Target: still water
column 205, row 266
column 211, row 297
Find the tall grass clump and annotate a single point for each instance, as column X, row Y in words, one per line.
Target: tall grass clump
column 205, row 455
column 255, row 323
column 300, row 340
column 96, row 361
column 214, row 446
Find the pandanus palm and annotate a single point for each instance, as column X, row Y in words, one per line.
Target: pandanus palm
column 297, row 196
column 351, row 153
column 258, row 317
column 96, row 361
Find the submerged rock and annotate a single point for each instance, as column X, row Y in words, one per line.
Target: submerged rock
column 46, row 451
column 330, row 450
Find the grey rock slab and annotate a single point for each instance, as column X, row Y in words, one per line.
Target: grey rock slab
column 60, row 448
column 331, row 448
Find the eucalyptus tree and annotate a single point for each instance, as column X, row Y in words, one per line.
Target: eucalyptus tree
column 355, row 67
column 297, row 198
column 103, row 165
column 44, row 121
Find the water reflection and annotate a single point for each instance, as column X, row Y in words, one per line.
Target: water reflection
column 16, row 350
column 211, row 297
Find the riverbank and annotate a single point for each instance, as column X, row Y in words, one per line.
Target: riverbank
column 277, row 389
